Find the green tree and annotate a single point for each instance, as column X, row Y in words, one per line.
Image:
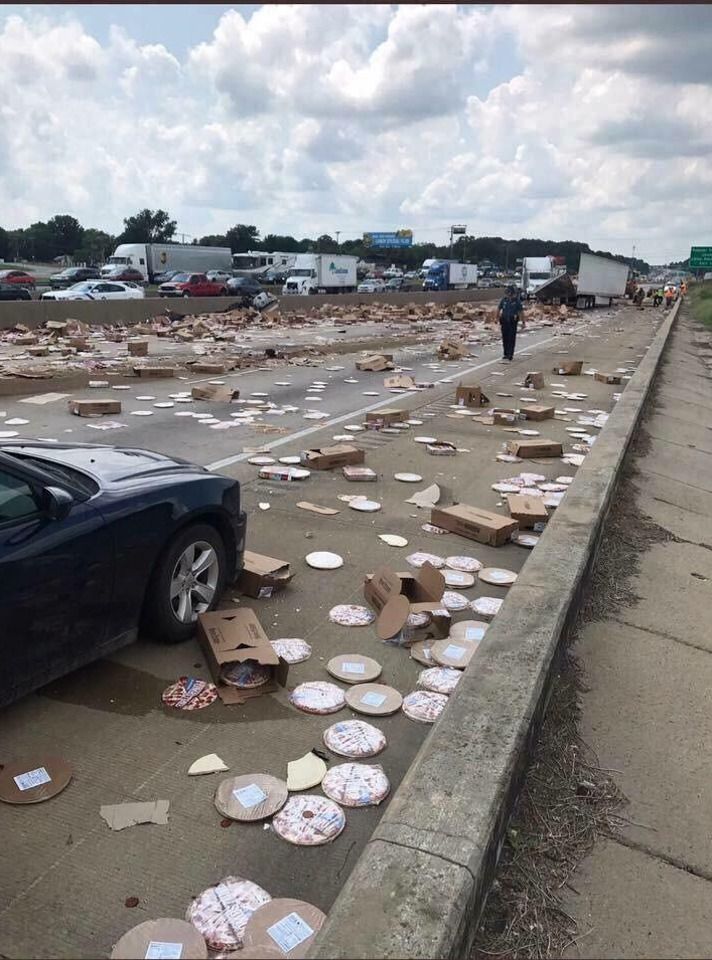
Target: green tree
column 242, row 237
column 213, row 240
column 4, row 245
column 95, row 247
column 282, row 243
column 63, row 235
column 148, row 226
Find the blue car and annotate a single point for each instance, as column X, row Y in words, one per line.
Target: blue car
column 98, row 542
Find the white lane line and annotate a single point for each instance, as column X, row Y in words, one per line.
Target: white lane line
column 324, row 424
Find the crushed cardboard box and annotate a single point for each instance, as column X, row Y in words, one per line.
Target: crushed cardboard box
column 568, row 368
column 531, row 448
column 138, row 348
column 534, row 380
column 359, row 474
column 452, row 350
column 377, row 362
column 386, row 416
column 527, row 511
column 394, row 596
column 475, row 524
column 607, row 377
column 219, row 393
column 399, row 382
column 234, row 636
column 328, row 458
column 470, row 395
column 93, row 408
column 537, row 411
column 263, row 576
column 153, row 372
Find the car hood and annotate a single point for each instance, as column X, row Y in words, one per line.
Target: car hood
column 108, row 465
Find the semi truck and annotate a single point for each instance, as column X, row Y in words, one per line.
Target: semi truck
column 258, row 263
column 321, row 273
column 599, row 280
column 153, row 258
column 446, row 275
column 536, row 271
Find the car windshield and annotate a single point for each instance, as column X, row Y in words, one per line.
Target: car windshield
column 72, row 272
column 181, row 277
column 539, row 276
column 118, row 260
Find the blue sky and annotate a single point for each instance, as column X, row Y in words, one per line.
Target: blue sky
column 516, row 120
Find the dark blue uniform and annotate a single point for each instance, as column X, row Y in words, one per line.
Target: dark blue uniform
column 511, row 307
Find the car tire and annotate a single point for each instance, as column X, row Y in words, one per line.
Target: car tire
column 186, row 295
column 223, row 292
column 159, row 617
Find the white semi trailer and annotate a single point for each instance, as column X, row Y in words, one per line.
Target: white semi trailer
column 153, row 258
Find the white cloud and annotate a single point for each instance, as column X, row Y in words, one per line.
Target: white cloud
column 565, row 122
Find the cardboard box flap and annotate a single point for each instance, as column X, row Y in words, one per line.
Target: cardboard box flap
column 236, row 636
column 393, row 617
column 431, row 582
column 264, row 566
column 383, row 584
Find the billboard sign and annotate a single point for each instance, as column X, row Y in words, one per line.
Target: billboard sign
column 701, row 258
column 458, row 229
column 399, row 238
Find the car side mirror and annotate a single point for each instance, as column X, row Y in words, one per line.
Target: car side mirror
column 57, row 503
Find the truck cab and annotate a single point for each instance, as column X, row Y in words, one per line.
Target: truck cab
column 437, row 276
column 302, row 279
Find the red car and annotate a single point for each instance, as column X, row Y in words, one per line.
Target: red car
column 192, row 285
column 19, row 277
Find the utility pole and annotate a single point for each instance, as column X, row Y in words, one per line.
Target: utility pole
column 338, row 234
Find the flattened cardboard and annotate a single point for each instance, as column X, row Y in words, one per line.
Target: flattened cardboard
column 306, row 772
column 386, row 415
column 121, row 815
column 377, row 362
column 399, row 382
column 203, row 366
column 93, row 408
column 257, row 936
column 390, row 703
column 607, row 377
column 532, row 448
column 135, row 943
column 138, row 348
column 534, row 380
column 233, row 636
column 470, row 395
column 57, row 769
column 359, row 474
column 537, row 411
column 568, row 368
column 148, row 373
column 343, row 667
column 262, row 576
column 527, row 511
column 315, row 508
column 475, row 524
column 214, row 392
column 443, row 653
column 328, row 458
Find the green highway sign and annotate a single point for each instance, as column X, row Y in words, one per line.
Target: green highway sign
column 701, row 258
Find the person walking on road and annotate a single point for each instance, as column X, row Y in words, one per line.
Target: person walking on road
column 683, row 288
column 639, row 297
column 669, row 297
column 508, row 314
column 658, row 297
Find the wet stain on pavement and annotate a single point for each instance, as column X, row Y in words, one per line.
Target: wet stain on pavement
column 115, row 688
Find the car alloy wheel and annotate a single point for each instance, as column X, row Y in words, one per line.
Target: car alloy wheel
column 194, row 581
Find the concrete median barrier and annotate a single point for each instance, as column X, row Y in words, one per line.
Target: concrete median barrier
column 33, row 313
column 421, row 883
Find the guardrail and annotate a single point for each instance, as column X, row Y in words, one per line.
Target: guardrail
column 33, row 313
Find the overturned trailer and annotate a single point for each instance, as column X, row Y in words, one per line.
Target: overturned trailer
column 600, row 279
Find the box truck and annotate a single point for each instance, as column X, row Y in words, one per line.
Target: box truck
column 153, row 258
column 445, row 275
column 321, row 273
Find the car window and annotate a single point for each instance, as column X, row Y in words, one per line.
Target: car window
column 113, row 288
column 16, row 498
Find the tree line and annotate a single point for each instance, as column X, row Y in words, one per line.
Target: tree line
column 64, row 236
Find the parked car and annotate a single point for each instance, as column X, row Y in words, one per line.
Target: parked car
column 371, row 286
column 99, row 542
column 96, row 290
column 395, row 283
column 72, row 275
column 17, row 277
column 165, row 276
column 274, row 276
column 244, row 286
column 218, row 276
column 10, row 291
column 130, row 274
column 191, row 285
